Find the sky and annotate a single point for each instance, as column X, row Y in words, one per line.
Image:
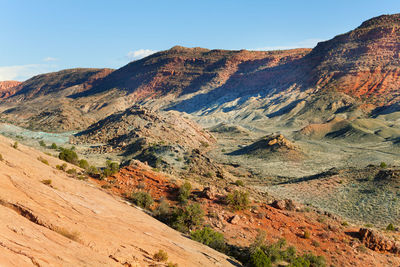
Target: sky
column 38, row 36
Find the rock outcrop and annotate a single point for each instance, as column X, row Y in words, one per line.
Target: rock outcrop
column 376, row 241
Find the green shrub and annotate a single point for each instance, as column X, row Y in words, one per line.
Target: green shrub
column 259, row 259
column 383, row 165
column 306, row 235
column 239, row 183
column 53, row 146
column 93, row 171
column 15, row 145
column 62, row 167
column 68, row 155
column 72, row 171
column 209, row 237
column 162, row 212
column 161, row 255
column 84, row 164
column 43, row 160
column 46, row 182
column 238, row 200
column 184, row 192
column 187, row 218
column 390, row 227
column 42, row 143
column 142, row 199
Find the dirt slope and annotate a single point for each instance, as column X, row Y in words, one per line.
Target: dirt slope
column 103, row 229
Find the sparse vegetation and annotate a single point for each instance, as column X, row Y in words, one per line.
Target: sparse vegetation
column 383, row 165
column 111, row 168
column 160, row 255
column 142, row 199
column 83, row 164
column 53, row 146
column 239, row 183
column 261, row 254
column 46, row 182
column 211, row 238
column 42, row 143
column 238, row 200
column 72, row 172
column 43, row 160
column 15, row 145
column 68, row 155
column 390, row 227
column 187, row 218
column 62, row 167
column 184, row 192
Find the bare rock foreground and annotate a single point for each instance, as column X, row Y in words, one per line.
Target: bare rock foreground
column 73, row 223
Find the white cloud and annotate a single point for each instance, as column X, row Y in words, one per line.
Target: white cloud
column 50, row 59
column 308, row 43
column 138, row 54
column 23, row 72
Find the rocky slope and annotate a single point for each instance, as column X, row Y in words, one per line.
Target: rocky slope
column 68, row 222
column 8, row 88
column 54, row 82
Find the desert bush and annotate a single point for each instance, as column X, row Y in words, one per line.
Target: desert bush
column 239, row 183
column 390, row 227
column 306, row 235
column 62, row 167
column 184, row 192
column 42, row 143
column 46, row 182
column 72, row 171
column 160, row 255
column 261, row 254
column 15, row 145
column 238, row 200
column 68, row 155
column 162, row 212
column 142, row 199
column 43, row 160
column 92, row 170
column 187, row 218
column 83, row 164
column 209, row 237
column 53, row 146
column 383, row 165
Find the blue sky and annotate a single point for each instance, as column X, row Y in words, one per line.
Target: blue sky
column 39, row 36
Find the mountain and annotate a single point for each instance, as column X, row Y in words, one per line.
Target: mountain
column 353, row 73
column 363, row 63
column 8, row 88
column 54, row 82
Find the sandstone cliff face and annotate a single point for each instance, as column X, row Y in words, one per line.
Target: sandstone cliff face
column 8, row 88
column 363, row 63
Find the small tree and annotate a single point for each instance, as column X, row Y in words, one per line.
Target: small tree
column 184, row 192
column 209, row 237
column 53, row 146
column 142, row 199
column 238, row 200
column 68, row 155
column 187, row 218
column 84, row 164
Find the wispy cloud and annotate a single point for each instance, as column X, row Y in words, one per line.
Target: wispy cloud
column 50, row 59
column 23, row 72
column 138, row 54
column 308, row 43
